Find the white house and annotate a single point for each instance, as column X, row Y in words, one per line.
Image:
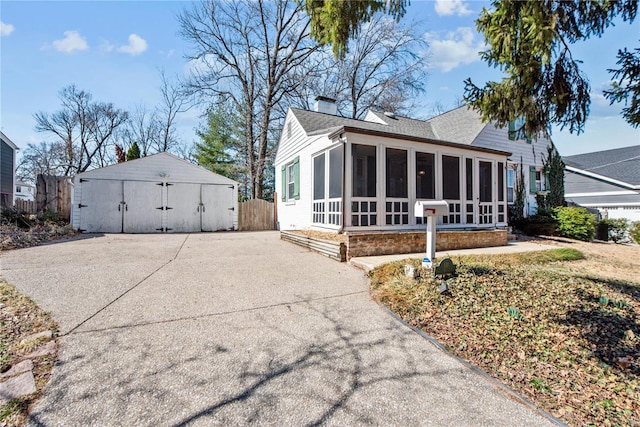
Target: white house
column 606, row 180
column 154, row 194
column 339, row 174
column 7, row 170
column 25, row 191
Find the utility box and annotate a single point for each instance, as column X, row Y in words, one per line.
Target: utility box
column 429, row 209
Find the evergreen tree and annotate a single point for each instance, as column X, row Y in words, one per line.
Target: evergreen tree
column 218, row 146
column 554, row 173
column 529, row 40
column 133, row 152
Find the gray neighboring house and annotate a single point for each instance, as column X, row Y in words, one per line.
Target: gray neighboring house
column 606, row 180
column 7, row 170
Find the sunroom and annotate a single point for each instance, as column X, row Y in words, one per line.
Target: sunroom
column 370, row 182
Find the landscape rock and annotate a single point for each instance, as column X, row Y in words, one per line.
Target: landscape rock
column 16, row 387
column 35, row 337
column 24, row 366
column 48, row 348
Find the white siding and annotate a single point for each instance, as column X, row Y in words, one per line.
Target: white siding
column 531, row 155
column 296, row 214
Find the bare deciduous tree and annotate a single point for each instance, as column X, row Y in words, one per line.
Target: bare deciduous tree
column 48, row 158
column 173, row 102
column 246, row 51
column 384, row 69
column 85, row 129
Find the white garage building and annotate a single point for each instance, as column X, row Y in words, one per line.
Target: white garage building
column 156, row 194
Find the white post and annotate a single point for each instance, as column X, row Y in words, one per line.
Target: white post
column 431, row 237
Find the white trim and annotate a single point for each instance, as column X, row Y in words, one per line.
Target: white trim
column 603, row 193
column 602, row 177
column 608, row 205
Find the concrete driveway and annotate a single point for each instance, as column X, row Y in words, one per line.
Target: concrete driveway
column 236, row 329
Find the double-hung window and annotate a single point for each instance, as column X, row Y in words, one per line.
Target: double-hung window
column 511, row 182
column 291, row 180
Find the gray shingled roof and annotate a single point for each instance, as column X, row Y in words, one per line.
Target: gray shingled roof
column 621, row 164
column 461, row 125
column 316, row 123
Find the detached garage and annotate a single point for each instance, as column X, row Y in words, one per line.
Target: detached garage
column 155, row 194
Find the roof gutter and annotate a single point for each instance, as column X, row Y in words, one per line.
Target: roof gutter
column 601, row 177
column 343, row 129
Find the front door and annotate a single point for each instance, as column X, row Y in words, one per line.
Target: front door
column 485, row 193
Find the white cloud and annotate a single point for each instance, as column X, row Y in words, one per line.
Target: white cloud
column 71, row 42
column 136, row 45
column 6, row 29
column 451, row 7
column 460, row 47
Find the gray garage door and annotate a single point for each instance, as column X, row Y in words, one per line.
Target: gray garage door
column 114, row 206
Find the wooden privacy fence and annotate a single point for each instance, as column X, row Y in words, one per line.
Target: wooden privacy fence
column 28, row 206
column 256, row 215
column 53, row 193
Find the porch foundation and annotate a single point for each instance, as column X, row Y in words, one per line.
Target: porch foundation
column 394, row 242
column 387, row 243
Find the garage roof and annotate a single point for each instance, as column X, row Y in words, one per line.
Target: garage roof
column 156, row 168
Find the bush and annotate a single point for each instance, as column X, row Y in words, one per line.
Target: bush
column 542, row 223
column 575, row 223
column 634, row 231
column 617, row 228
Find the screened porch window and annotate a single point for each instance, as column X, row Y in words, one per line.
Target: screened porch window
column 364, row 206
column 327, row 187
column 425, row 176
column 364, row 170
column 396, row 173
column 451, row 188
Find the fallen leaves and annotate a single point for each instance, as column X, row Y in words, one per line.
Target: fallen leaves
column 565, row 338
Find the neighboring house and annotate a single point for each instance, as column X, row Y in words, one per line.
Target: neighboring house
column 7, row 169
column 25, row 191
column 339, row 174
column 605, row 180
column 154, row 194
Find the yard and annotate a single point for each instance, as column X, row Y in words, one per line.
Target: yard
column 560, row 327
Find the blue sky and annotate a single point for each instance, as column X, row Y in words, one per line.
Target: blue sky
column 113, row 49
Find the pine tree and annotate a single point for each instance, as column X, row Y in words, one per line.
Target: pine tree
column 133, row 152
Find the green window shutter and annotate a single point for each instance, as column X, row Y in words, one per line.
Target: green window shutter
column 532, row 179
column 512, row 130
column 284, row 183
column 296, row 178
column 528, row 138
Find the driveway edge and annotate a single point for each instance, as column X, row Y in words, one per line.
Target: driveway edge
column 510, row 392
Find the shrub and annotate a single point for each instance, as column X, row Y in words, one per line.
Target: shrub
column 634, row 231
column 575, row 223
column 543, row 223
column 617, row 228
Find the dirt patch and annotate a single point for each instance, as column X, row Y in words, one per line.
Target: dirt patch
column 603, row 259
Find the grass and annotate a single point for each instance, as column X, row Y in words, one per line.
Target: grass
column 19, row 318
column 567, row 340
